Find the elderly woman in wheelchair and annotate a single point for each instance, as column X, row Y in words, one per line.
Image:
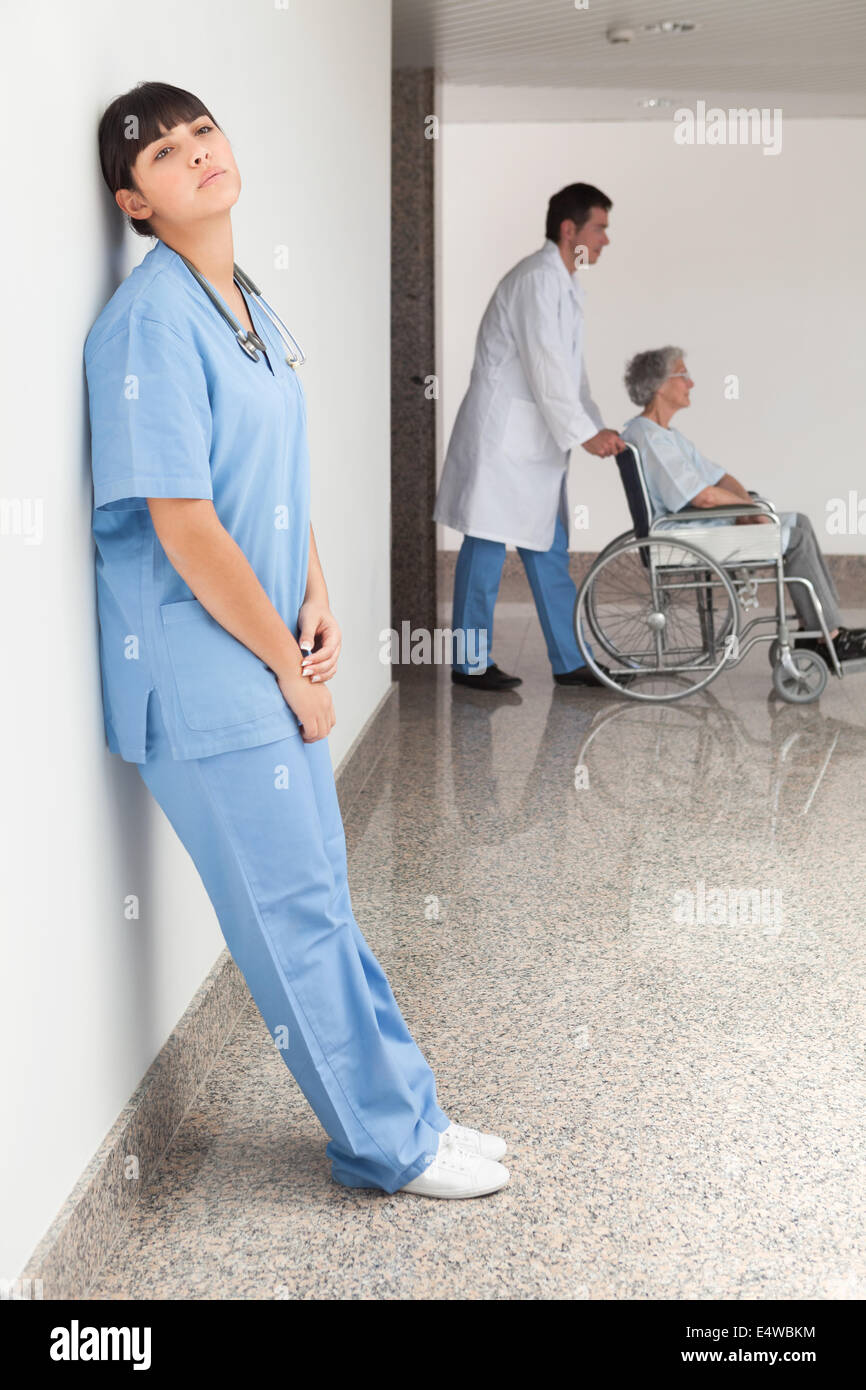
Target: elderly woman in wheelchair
column 664, row 599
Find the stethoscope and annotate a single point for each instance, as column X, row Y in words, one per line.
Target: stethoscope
column 250, row 341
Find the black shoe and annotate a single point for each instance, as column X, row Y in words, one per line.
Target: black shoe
column 581, row 675
column 854, row 636
column 490, row 679
column 849, row 644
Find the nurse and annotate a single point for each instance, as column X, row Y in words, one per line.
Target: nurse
column 505, row 473
column 208, row 586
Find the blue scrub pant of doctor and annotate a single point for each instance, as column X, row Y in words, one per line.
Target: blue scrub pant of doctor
column 476, row 585
column 264, row 829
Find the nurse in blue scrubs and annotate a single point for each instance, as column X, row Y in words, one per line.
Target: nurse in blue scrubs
column 208, row 584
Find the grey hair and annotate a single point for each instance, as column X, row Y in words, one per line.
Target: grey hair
column 646, row 372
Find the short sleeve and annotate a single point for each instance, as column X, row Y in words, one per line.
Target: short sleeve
column 150, row 417
column 709, row 471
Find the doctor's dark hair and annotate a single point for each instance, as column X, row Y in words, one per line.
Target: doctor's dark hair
column 575, row 201
column 131, row 122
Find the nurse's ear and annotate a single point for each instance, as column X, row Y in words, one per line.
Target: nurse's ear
column 130, row 201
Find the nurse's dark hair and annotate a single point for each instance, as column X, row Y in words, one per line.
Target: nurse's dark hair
column 576, row 201
column 131, row 122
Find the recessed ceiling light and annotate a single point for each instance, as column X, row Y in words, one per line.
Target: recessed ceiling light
column 654, row 101
column 670, row 26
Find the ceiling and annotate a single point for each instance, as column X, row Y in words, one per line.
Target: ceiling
column 550, row 60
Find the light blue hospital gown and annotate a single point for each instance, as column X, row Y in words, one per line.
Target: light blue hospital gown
column 676, row 471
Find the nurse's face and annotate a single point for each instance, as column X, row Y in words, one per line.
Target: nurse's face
column 173, row 175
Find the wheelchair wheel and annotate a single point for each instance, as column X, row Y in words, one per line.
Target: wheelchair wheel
column 716, row 626
column 614, row 544
column 596, row 628
column 774, row 649
column 809, row 682
column 647, row 603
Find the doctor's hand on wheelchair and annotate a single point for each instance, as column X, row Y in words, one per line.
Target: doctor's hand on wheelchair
column 604, row 444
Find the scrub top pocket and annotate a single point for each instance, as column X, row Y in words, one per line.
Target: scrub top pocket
column 220, row 682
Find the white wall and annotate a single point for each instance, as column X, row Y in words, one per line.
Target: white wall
column 754, row 263
column 88, row 997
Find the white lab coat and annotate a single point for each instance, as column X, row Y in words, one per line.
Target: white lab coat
column 528, row 404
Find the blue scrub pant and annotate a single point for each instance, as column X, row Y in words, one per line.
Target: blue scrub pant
column 264, row 829
column 476, row 585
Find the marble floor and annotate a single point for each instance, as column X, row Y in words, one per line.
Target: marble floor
column 630, row 940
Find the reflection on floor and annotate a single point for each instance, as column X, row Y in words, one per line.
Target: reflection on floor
column 629, row 939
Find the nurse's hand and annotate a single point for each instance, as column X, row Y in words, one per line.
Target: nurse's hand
column 318, row 626
column 603, row 444
column 311, row 704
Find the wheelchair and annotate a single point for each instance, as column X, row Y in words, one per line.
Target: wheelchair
column 663, row 602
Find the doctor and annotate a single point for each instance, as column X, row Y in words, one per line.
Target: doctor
column 527, row 405
column 208, row 588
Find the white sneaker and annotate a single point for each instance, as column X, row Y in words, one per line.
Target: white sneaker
column 455, row 1172
column 488, row 1145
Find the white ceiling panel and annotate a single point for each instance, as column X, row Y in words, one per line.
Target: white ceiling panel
column 806, row 56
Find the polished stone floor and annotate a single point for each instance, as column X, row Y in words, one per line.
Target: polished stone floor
column 630, row 940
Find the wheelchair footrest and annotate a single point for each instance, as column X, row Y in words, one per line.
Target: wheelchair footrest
column 852, row 667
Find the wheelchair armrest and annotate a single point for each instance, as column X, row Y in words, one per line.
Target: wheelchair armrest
column 758, row 498
column 696, row 513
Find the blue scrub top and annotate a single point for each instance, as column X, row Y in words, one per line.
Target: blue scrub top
column 177, row 409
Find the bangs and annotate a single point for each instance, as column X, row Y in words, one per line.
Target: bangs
column 160, row 113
